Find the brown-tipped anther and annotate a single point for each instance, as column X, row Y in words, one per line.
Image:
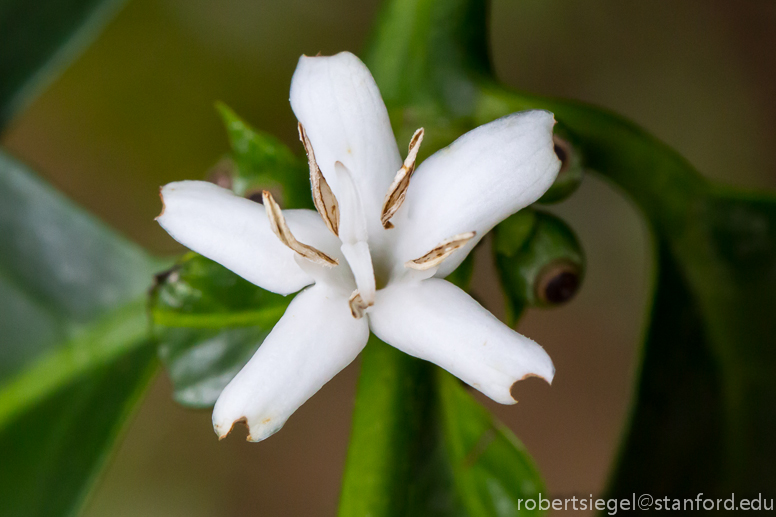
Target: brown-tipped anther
column 164, row 207
column 279, row 227
column 256, row 196
column 558, row 282
column 323, row 198
column 563, row 152
column 358, row 306
column 443, row 250
column 397, row 192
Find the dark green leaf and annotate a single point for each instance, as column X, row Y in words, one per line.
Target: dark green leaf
column 264, row 162
column 707, row 397
column 38, row 39
column 680, row 385
column 209, row 322
column 421, row 445
column 76, row 351
column 492, row 471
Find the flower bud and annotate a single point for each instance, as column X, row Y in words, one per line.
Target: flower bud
column 539, row 260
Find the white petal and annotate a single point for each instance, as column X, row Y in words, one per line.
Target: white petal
column 353, row 233
column 479, row 180
column 235, row 232
column 436, row 321
column 337, row 101
column 315, row 339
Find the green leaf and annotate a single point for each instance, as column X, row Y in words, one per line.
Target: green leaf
column 680, row 384
column 492, row 471
column 76, row 351
column 706, row 397
column 421, row 445
column 39, row 39
column 264, row 162
column 209, row 322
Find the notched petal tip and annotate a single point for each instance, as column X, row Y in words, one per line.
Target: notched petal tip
column 563, row 151
column 443, row 250
column 277, row 223
column 222, row 435
column 397, row 192
column 513, row 388
column 164, row 206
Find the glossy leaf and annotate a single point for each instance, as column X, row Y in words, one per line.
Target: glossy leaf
column 38, row 39
column 421, row 445
column 209, row 322
column 492, row 471
column 261, row 161
column 76, row 351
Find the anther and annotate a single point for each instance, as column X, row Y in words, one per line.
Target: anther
column 443, row 250
column 323, row 197
column 397, row 192
column 278, row 224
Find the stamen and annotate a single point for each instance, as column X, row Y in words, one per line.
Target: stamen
column 278, row 224
column 357, row 305
column 436, row 256
column 323, row 197
column 401, row 182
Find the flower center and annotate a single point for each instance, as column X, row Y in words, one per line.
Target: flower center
column 345, row 219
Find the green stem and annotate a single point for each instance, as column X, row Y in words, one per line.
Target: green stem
column 393, row 403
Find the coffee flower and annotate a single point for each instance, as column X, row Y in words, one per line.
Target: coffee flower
column 375, row 254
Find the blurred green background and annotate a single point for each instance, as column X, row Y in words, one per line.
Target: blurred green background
column 136, row 111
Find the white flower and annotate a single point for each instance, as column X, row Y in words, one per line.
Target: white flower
column 377, row 251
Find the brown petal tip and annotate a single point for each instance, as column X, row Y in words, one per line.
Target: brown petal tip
column 164, row 206
column 242, row 420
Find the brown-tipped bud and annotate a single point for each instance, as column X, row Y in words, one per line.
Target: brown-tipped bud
column 558, row 282
column 539, row 260
column 570, row 174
